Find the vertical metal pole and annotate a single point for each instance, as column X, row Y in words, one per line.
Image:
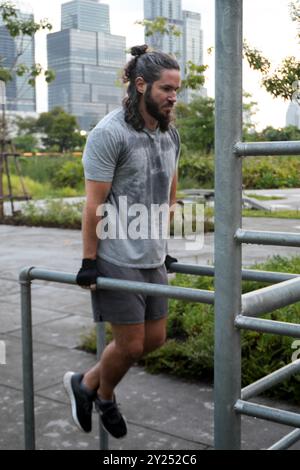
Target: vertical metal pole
column 101, row 342
column 28, row 386
column 228, row 199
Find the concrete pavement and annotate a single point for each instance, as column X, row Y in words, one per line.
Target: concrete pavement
column 163, row 412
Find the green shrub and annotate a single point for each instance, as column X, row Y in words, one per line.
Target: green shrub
column 197, row 171
column 54, row 213
column 276, row 172
column 70, row 174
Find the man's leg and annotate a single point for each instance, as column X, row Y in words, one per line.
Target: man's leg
column 117, row 358
column 155, row 334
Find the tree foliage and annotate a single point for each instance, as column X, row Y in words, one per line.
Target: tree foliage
column 60, row 130
column 195, row 122
column 281, row 81
column 19, row 29
column 194, row 73
column 159, row 26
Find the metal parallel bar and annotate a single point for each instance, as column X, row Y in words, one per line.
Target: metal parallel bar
column 270, row 380
column 271, row 298
column 266, row 412
column 247, row 274
column 101, row 342
column 256, row 149
column 287, row 441
column 268, row 238
column 228, row 203
column 184, row 293
column 268, row 326
column 27, row 358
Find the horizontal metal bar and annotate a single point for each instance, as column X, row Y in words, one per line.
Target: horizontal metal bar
column 247, row 274
column 270, row 380
column 267, row 326
column 268, row 238
column 184, row 293
column 287, row 441
column 271, row 298
column 266, row 412
column 256, row 149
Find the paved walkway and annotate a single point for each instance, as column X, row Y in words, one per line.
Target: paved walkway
column 163, row 412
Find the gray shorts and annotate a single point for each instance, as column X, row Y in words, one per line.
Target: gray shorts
column 123, row 307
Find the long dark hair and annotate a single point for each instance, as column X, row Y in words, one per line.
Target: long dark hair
column 148, row 65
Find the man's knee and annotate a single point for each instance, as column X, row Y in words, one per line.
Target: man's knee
column 153, row 342
column 133, row 351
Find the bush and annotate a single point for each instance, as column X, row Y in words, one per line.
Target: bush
column 53, row 213
column 280, row 172
column 188, row 352
column 196, row 170
column 69, row 174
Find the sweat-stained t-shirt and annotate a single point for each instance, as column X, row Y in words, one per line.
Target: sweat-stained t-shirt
column 141, row 166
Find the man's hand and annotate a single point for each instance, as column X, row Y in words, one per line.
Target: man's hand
column 87, row 274
column 168, row 261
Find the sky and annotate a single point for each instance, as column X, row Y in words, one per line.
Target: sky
column 267, row 26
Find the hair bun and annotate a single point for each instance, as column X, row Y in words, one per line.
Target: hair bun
column 139, row 50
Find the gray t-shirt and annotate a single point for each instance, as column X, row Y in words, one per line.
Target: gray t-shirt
column 141, row 166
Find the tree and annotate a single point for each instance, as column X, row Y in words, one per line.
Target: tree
column 18, row 29
column 60, row 130
column 195, row 122
column 282, row 81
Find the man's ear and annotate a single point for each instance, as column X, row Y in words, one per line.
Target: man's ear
column 141, row 85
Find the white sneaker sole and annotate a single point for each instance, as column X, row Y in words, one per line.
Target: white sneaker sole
column 68, row 387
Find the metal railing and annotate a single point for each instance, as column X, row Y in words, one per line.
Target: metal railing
column 233, row 311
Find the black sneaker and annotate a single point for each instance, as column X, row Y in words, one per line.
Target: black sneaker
column 81, row 401
column 113, row 422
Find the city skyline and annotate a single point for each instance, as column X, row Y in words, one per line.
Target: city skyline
column 86, row 58
column 267, row 26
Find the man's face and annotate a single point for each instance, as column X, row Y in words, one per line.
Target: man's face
column 161, row 96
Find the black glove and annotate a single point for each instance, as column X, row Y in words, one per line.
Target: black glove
column 88, row 272
column 168, row 261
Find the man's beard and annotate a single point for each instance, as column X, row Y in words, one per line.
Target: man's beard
column 153, row 109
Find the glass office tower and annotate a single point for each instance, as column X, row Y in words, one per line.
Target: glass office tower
column 87, row 63
column 86, row 15
column 192, row 47
column 20, row 96
column 170, row 9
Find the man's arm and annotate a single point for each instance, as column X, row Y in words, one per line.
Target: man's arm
column 96, row 194
column 173, row 196
column 172, row 203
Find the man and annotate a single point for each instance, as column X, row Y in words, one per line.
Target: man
column 132, row 153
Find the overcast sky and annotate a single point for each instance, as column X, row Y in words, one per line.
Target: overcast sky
column 267, row 26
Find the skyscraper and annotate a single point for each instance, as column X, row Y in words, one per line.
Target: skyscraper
column 170, row 9
column 20, row 96
column 293, row 115
column 186, row 47
column 87, row 60
column 192, row 47
column 86, row 15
